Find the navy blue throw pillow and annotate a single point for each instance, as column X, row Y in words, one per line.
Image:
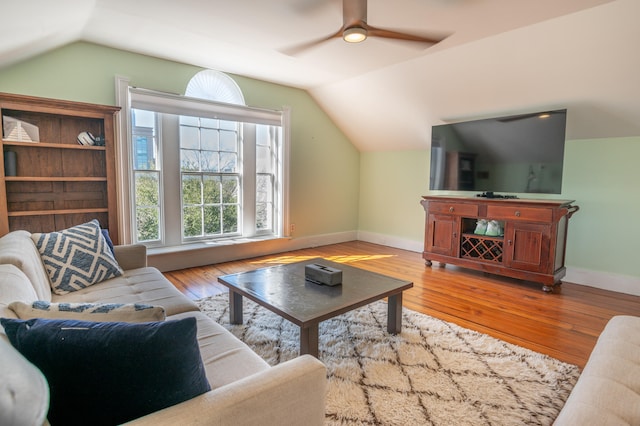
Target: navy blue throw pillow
column 107, row 239
column 111, row 372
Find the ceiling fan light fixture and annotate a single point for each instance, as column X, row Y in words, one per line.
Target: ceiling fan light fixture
column 354, row 34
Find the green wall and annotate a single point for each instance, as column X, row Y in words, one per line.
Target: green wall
column 600, row 174
column 324, row 164
column 391, row 185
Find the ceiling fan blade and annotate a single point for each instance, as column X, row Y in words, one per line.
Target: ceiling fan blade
column 298, row 48
column 396, row 35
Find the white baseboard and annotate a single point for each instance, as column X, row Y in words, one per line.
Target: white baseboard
column 598, row 279
column 391, row 241
column 603, row 280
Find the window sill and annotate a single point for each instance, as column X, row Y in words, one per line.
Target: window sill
column 203, row 245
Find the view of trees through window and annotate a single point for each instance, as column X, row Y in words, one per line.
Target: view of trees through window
column 146, row 175
column 209, row 166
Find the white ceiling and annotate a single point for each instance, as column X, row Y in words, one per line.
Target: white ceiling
column 503, row 57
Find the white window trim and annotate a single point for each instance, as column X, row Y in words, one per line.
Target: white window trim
column 230, row 112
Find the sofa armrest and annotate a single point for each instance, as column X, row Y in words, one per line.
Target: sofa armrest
column 131, row 256
column 291, row 393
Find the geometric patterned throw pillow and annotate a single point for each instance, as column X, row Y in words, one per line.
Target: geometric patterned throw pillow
column 96, row 312
column 76, row 258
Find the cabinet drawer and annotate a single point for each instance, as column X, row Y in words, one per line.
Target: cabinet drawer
column 459, row 209
column 519, row 213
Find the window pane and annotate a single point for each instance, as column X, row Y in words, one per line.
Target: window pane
column 189, row 137
column 211, row 189
column 210, row 123
column 263, row 136
column 228, row 125
column 147, row 188
column 264, row 202
column 212, row 220
column 209, row 161
column 191, row 190
column 210, row 139
column 228, row 162
column 230, row 219
column 189, row 160
column 228, row 141
column 264, row 216
column 192, row 221
column 188, row 120
column 147, row 223
column 263, row 159
column 144, row 137
column 229, row 190
column 264, row 188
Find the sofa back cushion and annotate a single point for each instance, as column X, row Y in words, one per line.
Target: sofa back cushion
column 14, row 286
column 17, row 248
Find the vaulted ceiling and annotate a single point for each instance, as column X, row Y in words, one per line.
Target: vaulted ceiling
column 503, row 57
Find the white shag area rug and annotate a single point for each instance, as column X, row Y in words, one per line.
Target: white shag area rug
column 433, row 373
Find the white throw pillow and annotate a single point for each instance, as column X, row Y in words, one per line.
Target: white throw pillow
column 96, row 312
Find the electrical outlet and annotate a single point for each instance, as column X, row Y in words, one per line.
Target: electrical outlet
column 292, row 227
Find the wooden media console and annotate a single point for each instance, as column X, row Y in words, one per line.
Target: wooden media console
column 531, row 246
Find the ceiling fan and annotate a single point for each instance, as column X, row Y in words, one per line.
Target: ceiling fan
column 355, row 29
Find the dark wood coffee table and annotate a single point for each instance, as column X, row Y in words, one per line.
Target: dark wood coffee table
column 284, row 291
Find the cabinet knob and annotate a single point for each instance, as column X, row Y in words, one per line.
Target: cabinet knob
column 517, row 213
column 510, row 242
column 451, row 209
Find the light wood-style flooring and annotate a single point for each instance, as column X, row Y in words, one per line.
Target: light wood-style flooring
column 564, row 324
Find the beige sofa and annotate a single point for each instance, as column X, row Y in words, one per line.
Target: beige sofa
column 245, row 389
column 608, row 390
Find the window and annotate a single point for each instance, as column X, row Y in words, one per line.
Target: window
column 146, row 176
column 210, row 177
column 202, row 170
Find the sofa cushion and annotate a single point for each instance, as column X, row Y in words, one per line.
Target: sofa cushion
column 77, row 257
column 142, row 285
column 17, row 248
column 24, row 393
column 102, row 312
column 226, row 359
column 608, row 389
column 14, row 285
column 110, row 372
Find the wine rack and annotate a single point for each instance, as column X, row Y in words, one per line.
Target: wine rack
column 489, row 249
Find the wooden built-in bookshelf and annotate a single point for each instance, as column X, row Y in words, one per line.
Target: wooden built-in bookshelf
column 58, row 182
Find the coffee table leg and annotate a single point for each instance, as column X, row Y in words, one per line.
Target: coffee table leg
column 235, row 307
column 394, row 315
column 309, row 340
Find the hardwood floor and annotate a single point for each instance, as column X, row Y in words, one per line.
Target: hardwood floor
column 564, row 325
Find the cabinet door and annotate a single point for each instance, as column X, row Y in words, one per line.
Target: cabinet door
column 527, row 246
column 442, row 234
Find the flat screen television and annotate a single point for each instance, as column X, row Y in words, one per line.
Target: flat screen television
column 513, row 154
